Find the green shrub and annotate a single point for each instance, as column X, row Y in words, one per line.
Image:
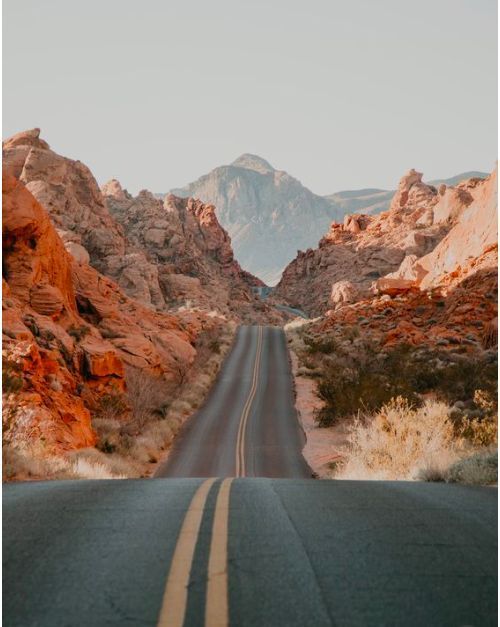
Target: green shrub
column 319, row 344
column 12, row 380
column 78, row 333
column 367, row 375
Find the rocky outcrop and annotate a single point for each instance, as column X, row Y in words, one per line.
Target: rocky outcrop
column 445, row 299
column 427, row 232
column 270, row 215
column 69, row 332
column 69, row 192
column 147, row 253
column 363, row 249
column 191, row 252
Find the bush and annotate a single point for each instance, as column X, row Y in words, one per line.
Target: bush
column 459, row 381
column 363, row 375
column 368, row 378
column 113, row 406
column 399, row 440
column 12, row 380
column 479, row 469
column 78, row 333
column 319, row 344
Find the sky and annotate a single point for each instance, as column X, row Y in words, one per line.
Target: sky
column 342, row 94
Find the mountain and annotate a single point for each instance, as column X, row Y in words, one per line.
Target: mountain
column 374, row 201
column 383, row 251
column 162, row 254
column 268, row 214
column 116, row 310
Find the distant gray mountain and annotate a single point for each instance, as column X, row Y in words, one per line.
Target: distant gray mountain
column 270, row 215
column 454, row 180
column 377, row 200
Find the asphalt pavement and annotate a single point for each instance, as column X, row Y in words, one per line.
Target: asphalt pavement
column 255, row 553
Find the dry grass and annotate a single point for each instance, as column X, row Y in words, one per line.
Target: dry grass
column 135, row 428
column 158, row 408
column 398, row 441
column 33, row 464
column 478, row 469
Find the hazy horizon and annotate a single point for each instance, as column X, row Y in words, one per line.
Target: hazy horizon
column 340, row 95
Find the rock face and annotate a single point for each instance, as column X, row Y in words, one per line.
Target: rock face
column 267, row 213
column 190, row 252
column 68, row 332
column 161, row 254
column 69, row 192
column 270, row 215
column 446, row 298
column 363, row 249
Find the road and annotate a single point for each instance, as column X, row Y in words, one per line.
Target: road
column 248, row 427
column 237, row 535
column 298, row 313
column 248, row 553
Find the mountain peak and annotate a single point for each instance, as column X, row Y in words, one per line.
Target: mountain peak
column 253, row 162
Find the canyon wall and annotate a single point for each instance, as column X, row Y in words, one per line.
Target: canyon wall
column 405, row 246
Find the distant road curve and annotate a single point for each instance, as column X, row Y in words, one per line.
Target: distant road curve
column 294, row 312
column 248, row 426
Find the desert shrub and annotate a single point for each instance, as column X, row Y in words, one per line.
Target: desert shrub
column 479, row 469
column 320, row 344
column 459, row 381
column 149, row 396
column 364, row 375
column 398, row 440
column 214, row 346
column 78, row 333
column 481, row 431
column 490, row 335
column 367, row 378
column 12, row 380
column 113, row 405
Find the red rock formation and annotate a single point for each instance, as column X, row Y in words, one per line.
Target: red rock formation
column 446, row 298
column 68, row 331
column 393, row 251
column 191, row 251
column 159, row 254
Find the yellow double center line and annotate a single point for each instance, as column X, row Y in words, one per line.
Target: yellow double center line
column 240, row 441
column 175, row 598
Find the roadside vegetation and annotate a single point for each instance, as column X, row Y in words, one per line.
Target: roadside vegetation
column 410, row 412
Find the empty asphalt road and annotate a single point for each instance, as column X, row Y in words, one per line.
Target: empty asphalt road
column 216, row 544
column 248, row 553
column 248, row 427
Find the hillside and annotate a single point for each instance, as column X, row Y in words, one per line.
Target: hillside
column 353, row 255
column 270, row 215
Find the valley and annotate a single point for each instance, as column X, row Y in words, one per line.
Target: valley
column 138, row 351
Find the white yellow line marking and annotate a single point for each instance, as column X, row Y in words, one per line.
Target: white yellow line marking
column 174, row 603
column 217, row 609
column 240, row 441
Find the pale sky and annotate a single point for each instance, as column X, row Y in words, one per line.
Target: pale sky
column 341, row 94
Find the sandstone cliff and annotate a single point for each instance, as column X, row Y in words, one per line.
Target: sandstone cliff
column 381, row 252
column 190, row 251
column 68, row 332
column 162, row 254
